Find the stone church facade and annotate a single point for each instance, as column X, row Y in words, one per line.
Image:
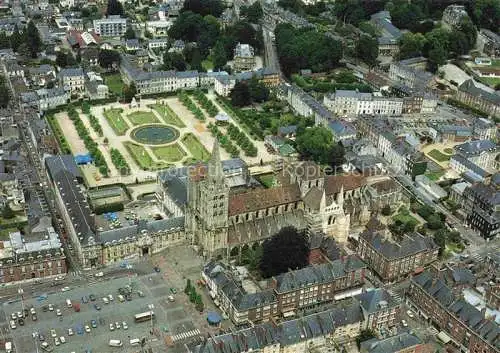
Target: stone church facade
column 226, row 209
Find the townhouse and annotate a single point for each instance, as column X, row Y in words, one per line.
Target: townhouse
column 461, row 323
column 49, row 98
column 72, row 79
column 401, row 343
column 380, row 310
column 354, row 103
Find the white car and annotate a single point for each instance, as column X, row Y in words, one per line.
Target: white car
column 87, row 328
column 20, row 315
column 124, row 325
column 105, row 300
column 53, row 333
column 32, row 311
column 70, row 332
column 51, row 307
column 117, row 325
column 111, row 327
column 405, row 324
column 13, row 324
column 62, row 339
column 410, row 313
column 56, row 341
column 65, row 289
column 110, row 297
column 13, row 316
column 99, row 274
column 58, row 312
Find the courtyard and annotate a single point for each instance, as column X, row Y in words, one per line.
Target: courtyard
column 148, row 136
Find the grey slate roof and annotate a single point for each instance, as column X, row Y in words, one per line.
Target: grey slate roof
column 374, row 300
column 410, row 244
column 469, row 87
column 316, row 274
column 392, row 344
column 131, row 232
column 474, row 148
column 470, row 165
column 287, row 333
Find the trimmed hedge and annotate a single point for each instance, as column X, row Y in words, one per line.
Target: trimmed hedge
column 188, row 103
column 120, row 162
column 206, row 103
column 224, row 141
column 56, row 129
column 242, row 140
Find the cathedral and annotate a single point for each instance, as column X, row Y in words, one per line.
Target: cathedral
column 225, row 208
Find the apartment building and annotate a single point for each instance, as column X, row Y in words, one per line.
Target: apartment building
column 465, row 326
column 392, row 259
column 286, row 294
column 35, row 255
column 49, row 98
column 484, row 153
column 485, row 129
column 354, row 103
column 401, row 343
column 113, row 26
column 339, row 325
column 474, row 95
column 388, row 41
column 73, row 79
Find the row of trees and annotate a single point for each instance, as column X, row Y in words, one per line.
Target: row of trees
column 193, row 108
column 56, row 129
column 224, row 141
column 94, row 122
column 120, row 162
column 305, row 49
column 90, row 144
column 242, row 140
column 206, row 103
column 193, row 296
column 4, row 92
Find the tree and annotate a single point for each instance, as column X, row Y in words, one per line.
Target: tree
column 411, row 45
column 314, row 143
column 406, row 15
column 487, row 14
column 287, row 241
column 129, row 33
column 109, row 58
column 4, row 41
column 204, row 7
column 349, row 11
column 114, row 8
column 16, row 39
column 364, row 335
column 252, row 13
column 64, row 59
column 173, row 61
column 437, row 57
column 7, row 212
column 367, row 50
column 386, row 210
column 33, row 39
column 258, row 91
column 219, row 58
column 240, row 95
column 129, row 92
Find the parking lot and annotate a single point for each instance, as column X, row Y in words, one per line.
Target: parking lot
column 171, row 323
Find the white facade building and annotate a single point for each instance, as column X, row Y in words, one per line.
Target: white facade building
column 158, row 43
column 353, row 103
column 73, row 80
column 113, row 26
column 223, row 85
column 51, row 98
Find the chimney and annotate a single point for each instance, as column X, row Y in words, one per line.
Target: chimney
column 483, row 312
column 273, row 283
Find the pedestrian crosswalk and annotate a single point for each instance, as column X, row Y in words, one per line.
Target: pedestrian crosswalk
column 477, row 258
column 184, row 335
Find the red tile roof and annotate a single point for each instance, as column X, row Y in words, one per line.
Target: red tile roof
column 333, row 183
column 263, row 198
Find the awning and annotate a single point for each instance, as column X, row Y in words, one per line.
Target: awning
column 443, row 337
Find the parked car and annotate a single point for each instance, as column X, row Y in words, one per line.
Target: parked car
column 87, row 328
column 117, row 325
column 58, row 312
column 51, row 307
column 92, row 297
column 93, row 323
column 97, row 307
column 53, row 333
column 62, row 339
column 70, row 332
column 85, row 299
column 124, row 325
column 111, row 327
column 56, row 341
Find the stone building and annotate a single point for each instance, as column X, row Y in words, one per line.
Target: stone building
column 467, row 327
column 393, row 259
column 244, row 57
column 37, row 255
column 473, row 94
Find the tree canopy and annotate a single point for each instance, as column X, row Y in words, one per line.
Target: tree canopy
column 4, row 93
column 246, row 92
column 108, row 58
column 252, row 13
column 367, row 50
column 487, row 14
column 173, row 61
column 32, row 39
column 314, row 143
column 65, row 59
column 302, row 49
column 114, row 8
column 204, row 7
column 287, row 241
column 129, row 33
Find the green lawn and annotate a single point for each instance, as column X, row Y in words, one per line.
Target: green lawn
column 142, row 117
column 434, row 176
column 172, row 153
column 167, row 114
column 115, row 120
column 448, row 150
column 195, row 147
column 405, row 218
column 439, row 156
column 267, row 180
column 114, row 83
column 207, row 64
column 490, row 81
column 142, row 157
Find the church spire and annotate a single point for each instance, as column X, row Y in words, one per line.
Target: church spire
column 340, row 196
column 322, row 202
column 215, row 163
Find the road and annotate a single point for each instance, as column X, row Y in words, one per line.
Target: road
column 271, row 54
